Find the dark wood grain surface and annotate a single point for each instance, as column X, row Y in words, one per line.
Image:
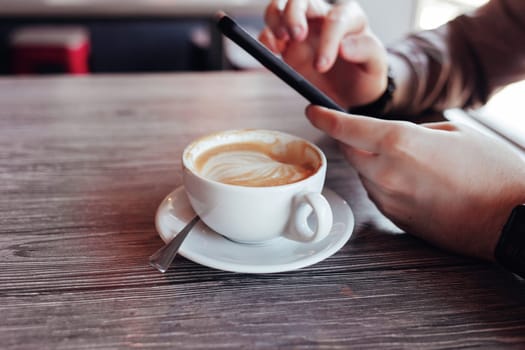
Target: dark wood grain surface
column 84, row 163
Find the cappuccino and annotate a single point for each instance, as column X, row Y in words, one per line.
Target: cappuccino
column 258, row 164
column 254, row 185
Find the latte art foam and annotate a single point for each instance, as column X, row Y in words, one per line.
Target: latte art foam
column 257, row 164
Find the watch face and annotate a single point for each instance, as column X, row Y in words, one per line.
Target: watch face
column 510, row 250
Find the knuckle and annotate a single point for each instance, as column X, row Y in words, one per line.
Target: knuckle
column 350, row 12
column 396, row 140
column 354, row 7
column 278, row 5
column 295, row 7
column 338, row 14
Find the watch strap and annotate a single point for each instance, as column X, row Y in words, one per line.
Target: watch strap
column 510, row 250
column 378, row 107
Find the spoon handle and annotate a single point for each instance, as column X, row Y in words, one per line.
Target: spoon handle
column 162, row 258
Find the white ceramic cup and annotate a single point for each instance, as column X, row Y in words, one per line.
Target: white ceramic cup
column 254, row 214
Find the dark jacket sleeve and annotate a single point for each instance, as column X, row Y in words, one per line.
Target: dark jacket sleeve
column 462, row 63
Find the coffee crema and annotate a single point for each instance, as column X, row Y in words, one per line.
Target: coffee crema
column 258, row 164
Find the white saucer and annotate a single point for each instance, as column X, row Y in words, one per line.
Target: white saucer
column 206, row 247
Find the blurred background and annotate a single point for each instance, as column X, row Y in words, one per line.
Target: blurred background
column 117, row 36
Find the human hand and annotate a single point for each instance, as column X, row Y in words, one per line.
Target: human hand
column 443, row 182
column 332, row 46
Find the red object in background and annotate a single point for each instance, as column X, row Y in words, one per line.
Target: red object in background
column 49, row 49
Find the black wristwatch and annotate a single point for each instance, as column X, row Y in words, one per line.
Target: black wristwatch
column 510, row 250
column 378, row 107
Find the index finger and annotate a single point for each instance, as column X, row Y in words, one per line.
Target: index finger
column 366, row 133
column 273, row 19
column 341, row 20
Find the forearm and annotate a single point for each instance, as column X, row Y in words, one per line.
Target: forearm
column 461, row 63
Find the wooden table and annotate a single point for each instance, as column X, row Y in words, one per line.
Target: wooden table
column 84, row 163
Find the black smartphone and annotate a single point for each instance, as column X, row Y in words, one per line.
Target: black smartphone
column 237, row 34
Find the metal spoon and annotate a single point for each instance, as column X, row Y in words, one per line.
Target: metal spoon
column 162, row 258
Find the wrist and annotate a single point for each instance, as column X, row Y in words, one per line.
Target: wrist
column 382, row 103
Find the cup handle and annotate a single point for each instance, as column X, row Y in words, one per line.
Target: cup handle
column 303, row 205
